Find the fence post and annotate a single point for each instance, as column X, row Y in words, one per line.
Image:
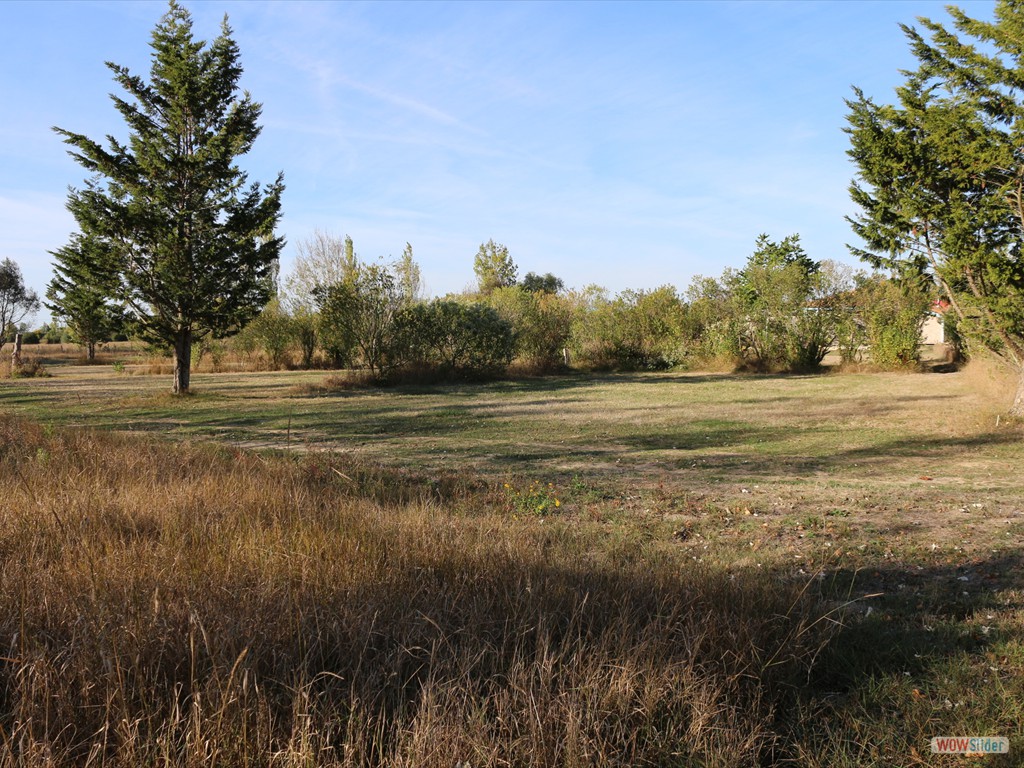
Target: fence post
column 16, row 354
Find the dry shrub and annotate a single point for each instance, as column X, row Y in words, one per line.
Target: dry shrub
column 993, row 383
column 717, row 364
column 870, row 367
column 189, row 605
column 29, row 368
column 991, row 380
column 153, row 367
column 529, row 369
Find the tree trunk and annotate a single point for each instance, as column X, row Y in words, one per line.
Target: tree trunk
column 16, row 352
column 182, row 361
column 1018, row 402
column 90, row 351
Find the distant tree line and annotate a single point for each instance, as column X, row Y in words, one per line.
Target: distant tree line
column 783, row 311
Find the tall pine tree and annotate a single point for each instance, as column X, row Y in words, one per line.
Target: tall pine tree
column 941, row 175
column 190, row 243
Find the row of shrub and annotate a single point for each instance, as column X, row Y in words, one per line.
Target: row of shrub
column 781, row 312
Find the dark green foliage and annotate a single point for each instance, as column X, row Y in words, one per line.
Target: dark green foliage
column 79, row 292
column 349, row 308
column 710, row 328
column 16, row 301
column 273, row 332
column 456, row 341
column 304, row 328
column 771, row 255
column 52, row 333
column 941, row 175
column 546, row 283
column 190, row 241
column 893, row 312
column 787, row 307
column 321, row 260
column 637, row 330
column 361, row 314
column 332, row 326
column 782, row 312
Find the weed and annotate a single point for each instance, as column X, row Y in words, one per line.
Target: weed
column 28, row 368
column 533, row 499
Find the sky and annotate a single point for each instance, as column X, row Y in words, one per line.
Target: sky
column 625, row 144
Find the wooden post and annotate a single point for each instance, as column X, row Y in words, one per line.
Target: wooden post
column 16, row 354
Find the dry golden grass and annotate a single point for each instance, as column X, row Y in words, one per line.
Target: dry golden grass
column 182, row 605
column 994, row 383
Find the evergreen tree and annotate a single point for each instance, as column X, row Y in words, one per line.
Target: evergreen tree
column 79, row 295
column 190, row 242
column 941, row 175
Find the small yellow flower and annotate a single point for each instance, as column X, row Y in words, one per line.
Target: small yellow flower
column 558, row 503
column 507, row 485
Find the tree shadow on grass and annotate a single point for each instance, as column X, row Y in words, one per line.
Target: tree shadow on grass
column 917, row 658
column 780, row 463
column 553, row 384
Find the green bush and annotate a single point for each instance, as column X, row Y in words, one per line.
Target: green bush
column 446, row 339
column 541, row 321
column 637, row 330
column 893, row 313
column 273, row 333
column 359, row 316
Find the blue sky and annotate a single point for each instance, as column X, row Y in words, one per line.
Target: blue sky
column 624, row 144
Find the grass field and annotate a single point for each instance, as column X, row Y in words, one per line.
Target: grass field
column 653, row 569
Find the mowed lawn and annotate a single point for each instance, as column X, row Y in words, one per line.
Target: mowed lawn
column 909, row 453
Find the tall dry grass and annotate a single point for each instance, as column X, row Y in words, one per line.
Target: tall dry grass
column 993, row 382
column 180, row 605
